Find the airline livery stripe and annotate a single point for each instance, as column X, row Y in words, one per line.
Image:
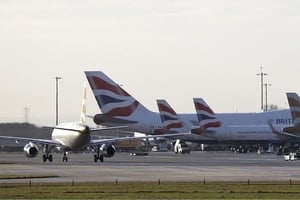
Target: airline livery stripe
column 174, row 125
column 204, row 117
column 200, row 106
column 97, row 83
column 211, row 124
column 167, row 118
column 123, row 111
column 103, row 100
column 164, row 108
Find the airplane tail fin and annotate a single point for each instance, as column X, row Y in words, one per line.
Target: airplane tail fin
column 83, row 106
column 294, row 103
column 169, row 117
column 113, row 100
column 205, row 114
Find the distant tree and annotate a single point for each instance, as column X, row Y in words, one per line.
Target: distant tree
column 273, row 107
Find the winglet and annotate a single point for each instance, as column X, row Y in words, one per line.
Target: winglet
column 282, row 135
column 270, row 122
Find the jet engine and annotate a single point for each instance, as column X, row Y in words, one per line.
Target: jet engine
column 30, row 150
column 108, row 150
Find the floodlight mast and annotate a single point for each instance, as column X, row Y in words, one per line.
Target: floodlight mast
column 262, row 74
column 56, row 97
column 266, row 94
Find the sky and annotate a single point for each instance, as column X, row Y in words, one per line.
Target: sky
column 171, row 49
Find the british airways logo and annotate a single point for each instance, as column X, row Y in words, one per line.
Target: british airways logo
column 283, row 121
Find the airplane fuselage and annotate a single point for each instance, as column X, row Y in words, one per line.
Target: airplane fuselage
column 235, row 127
column 72, row 140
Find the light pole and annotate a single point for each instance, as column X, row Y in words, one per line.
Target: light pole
column 261, row 74
column 56, row 97
column 266, row 94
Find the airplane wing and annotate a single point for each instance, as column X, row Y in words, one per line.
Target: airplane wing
column 91, row 130
column 112, row 140
column 39, row 141
column 107, row 128
column 282, row 134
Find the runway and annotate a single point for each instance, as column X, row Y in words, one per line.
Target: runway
column 163, row 166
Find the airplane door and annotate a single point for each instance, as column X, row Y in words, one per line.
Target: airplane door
column 227, row 132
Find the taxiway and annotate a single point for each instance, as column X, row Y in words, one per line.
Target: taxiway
column 163, row 166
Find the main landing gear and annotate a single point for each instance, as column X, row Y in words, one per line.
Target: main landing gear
column 98, row 156
column 47, row 155
column 65, row 158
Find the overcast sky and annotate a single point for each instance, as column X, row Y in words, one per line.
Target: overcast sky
column 172, row 49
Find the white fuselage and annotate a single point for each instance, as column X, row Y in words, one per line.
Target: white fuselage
column 234, row 126
column 70, row 139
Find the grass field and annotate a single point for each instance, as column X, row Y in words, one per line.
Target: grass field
column 193, row 190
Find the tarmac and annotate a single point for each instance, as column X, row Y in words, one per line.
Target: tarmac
column 157, row 166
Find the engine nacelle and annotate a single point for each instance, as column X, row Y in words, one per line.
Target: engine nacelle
column 108, row 150
column 30, row 150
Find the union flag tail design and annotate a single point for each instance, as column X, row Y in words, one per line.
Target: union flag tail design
column 168, row 116
column 112, row 100
column 294, row 103
column 206, row 116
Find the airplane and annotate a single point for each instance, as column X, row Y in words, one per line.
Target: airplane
column 294, row 103
column 172, row 122
column 74, row 136
column 291, row 133
column 169, row 117
column 223, row 130
column 210, row 130
column 119, row 108
column 205, row 115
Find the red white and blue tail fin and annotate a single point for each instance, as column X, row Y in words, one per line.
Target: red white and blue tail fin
column 169, row 117
column 294, row 103
column 206, row 116
column 114, row 102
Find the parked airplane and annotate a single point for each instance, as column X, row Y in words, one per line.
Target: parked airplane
column 74, row 136
column 120, row 108
column 294, row 103
column 205, row 115
column 291, row 133
column 210, row 129
column 172, row 122
column 221, row 127
column 169, row 118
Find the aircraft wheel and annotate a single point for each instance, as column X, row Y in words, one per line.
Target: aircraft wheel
column 50, row 158
column 95, row 158
column 44, row 158
column 65, row 159
column 101, row 158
